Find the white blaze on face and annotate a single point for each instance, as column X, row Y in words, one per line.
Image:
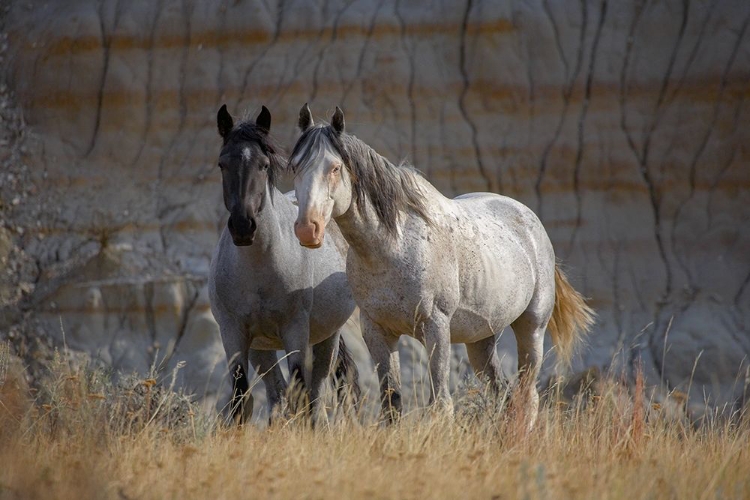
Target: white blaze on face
column 247, row 154
column 313, row 189
column 313, row 184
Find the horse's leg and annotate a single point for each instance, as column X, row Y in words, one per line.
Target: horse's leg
column 529, row 332
column 266, row 363
column 485, row 361
column 296, row 340
column 383, row 348
column 236, row 349
column 324, row 354
column 436, row 333
column 346, row 375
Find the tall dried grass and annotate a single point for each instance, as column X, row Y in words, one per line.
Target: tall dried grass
column 86, row 437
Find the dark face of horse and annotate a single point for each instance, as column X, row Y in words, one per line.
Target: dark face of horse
column 245, row 174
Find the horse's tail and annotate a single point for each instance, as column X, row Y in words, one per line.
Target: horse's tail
column 571, row 318
column 347, row 375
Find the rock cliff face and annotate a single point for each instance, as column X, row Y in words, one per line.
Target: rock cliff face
column 622, row 124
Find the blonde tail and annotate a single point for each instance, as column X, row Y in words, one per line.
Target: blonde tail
column 571, row 318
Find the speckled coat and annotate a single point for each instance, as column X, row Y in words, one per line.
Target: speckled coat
column 456, row 270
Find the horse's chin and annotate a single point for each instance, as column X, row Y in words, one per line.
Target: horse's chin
column 312, row 245
column 243, row 242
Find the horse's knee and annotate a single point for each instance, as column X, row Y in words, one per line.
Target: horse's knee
column 524, row 403
column 275, row 397
column 296, row 377
column 444, row 405
column 392, row 406
column 298, row 394
column 242, row 399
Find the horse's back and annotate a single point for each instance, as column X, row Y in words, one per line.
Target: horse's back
column 504, row 213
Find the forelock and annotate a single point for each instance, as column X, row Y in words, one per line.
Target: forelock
column 248, row 132
column 312, row 142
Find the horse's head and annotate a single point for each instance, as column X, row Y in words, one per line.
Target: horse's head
column 322, row 181
column 248, row 161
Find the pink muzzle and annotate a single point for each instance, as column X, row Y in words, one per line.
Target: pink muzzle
column 309, row 233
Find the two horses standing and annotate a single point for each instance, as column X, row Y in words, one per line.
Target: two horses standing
column 441, row 270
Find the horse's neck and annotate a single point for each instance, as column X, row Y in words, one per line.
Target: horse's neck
column 366, row 236
column 362, row 231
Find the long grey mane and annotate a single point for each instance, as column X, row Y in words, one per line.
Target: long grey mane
column 391, row 189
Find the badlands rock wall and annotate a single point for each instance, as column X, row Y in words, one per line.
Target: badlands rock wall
column 622, row 124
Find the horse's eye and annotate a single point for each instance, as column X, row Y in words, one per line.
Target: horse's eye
column 336, row 169
column 221, row 166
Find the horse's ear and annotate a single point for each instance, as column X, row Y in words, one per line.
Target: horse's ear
column 224, row 121
column 305, row 118
column 264, row 119
column 337, row 122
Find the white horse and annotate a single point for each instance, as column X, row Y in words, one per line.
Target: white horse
column 267, row 293
column 437, row 269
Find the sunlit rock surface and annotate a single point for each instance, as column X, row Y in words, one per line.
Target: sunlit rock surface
column 622, row 124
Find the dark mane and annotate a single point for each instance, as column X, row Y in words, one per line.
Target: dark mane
column 247, row 131
column 390, row 188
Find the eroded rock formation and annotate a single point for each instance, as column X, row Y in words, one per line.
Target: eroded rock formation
column 622, row 124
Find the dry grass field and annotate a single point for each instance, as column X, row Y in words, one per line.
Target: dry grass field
column 80, row 436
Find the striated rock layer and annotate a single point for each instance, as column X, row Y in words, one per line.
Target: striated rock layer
column 622, row 124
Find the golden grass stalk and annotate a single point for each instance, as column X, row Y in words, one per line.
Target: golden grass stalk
column 85, row 437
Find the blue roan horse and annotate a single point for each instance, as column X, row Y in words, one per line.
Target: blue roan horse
column 441, row 270
column 267, row 292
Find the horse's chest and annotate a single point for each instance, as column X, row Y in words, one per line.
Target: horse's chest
column 262, row 309
column 263, row 315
